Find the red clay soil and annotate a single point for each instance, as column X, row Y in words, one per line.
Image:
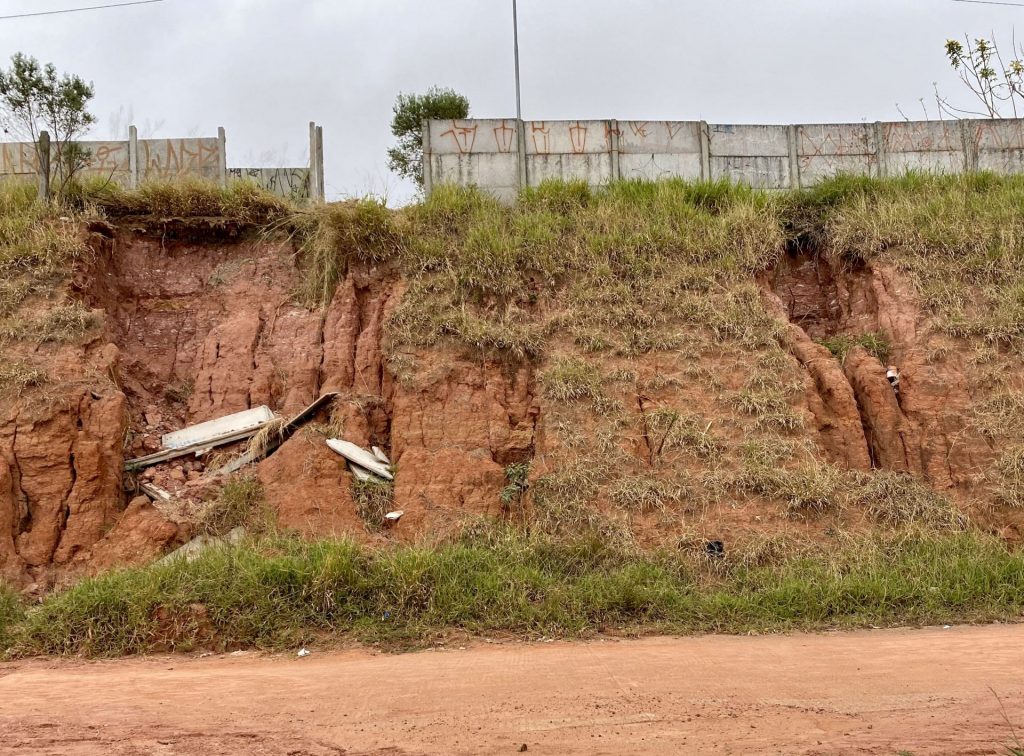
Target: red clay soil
column 195, row 328
column 931, row 691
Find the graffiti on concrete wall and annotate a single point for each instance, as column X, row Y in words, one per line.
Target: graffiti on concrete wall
column 18, row 158
column 174, row 158
column 290, row 183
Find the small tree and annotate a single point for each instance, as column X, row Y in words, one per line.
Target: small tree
column 406, row 159
column 995, row 81
column 34, row 98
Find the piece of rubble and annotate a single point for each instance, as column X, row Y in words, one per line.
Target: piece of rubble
column 360, row 474
column 154, row 492
column 191, row 550
column 286, row 432
column 205, row 436
column 892, row 374
column 393, row 517
column 359, row 456
column 207, row 433
column 379, row 454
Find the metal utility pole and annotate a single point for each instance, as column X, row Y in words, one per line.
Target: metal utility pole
column 520, row 130
column 515, row 38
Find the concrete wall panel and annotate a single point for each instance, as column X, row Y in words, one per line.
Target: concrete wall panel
column 596, row 170
column 659, row 137
column 18, row 159
column 924, row 162
column 653, row 167
column 821, row 139
column 484, row 170
column 567, row 137
column 290, row 183
column 748, row 141
column 759, row 172
column 996, row 134
column 1009, row 162
column 819, row 167
column 923, row 136
column 163, row 159
column 478, row 136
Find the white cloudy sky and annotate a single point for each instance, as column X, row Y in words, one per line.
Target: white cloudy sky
column 264, row 68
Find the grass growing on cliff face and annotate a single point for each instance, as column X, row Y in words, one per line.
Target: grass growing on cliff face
column 38, row 245
column 373, row 500
column 874, row 343
column 240, row 503
column 961, row 239
column 279, row 593
column 627, row 269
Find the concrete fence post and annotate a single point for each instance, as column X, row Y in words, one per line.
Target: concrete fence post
column 43, row 153
column 524, row 180
column 320, row 181
column 881, row 156
column 222, row 157
column 314, row 181
column 428, row 163
column 133, row 157
column 613, row 144
column 793, row 142
column 704, row 134
column 970, row 146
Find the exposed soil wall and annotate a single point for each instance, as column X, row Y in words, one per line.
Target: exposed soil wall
column 196, row 327
column 922, row 427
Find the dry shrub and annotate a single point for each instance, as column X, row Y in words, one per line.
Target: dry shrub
column 1001, row 415
column 373, row 498
column 241, row 201
column 268, row 437
column 810, row 487
column 644, row 493
column 570, row 379
column 240, row 503
column 898, row 500
column 17, row 375
column 1007, row 477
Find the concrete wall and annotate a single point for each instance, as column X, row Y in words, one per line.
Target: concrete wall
column 291, row 183
column 486, row 152
column 135, row 161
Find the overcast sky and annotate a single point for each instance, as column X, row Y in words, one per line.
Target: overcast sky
column 264, row 68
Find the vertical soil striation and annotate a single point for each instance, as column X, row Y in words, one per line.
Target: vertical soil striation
column 862, row 422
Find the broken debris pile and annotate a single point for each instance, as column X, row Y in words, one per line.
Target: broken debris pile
column 199, row 440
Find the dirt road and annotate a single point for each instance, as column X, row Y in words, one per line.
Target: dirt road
column 919, row 691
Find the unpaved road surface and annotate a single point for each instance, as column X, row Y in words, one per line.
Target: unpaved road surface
column 919, row 691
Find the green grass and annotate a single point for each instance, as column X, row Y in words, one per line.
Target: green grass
column 570, row 380
column 874, row 343
column 960, row 238
column 239, row 503
column 12, row 612
column 279, row 593
column 242, row 201
column 373, row 499
column 619, row 269
column 631, row 267
column 17, row 375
